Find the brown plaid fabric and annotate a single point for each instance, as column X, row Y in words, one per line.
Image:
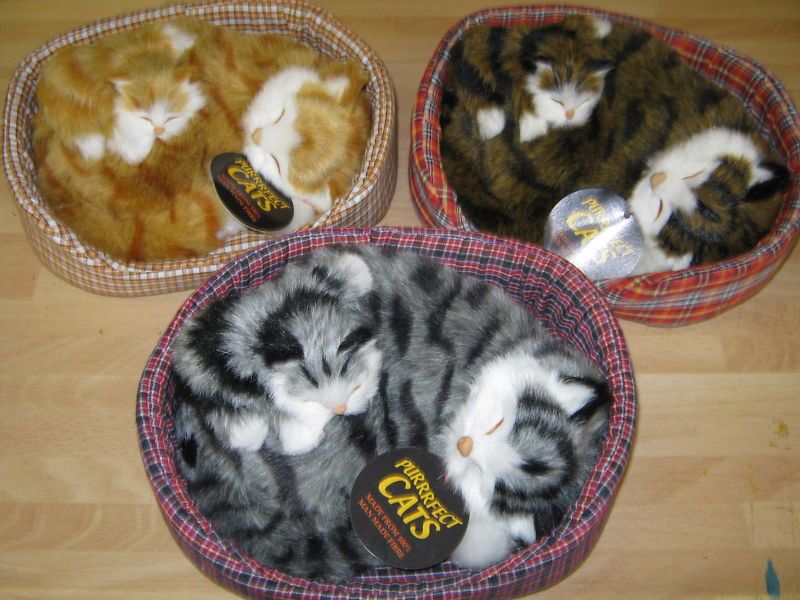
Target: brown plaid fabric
column 60, row 250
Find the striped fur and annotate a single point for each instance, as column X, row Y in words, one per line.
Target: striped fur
column 443, row 339
column 140, row 195
column 652, row 103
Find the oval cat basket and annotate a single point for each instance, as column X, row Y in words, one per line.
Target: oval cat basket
column 666, row 299
column 556, row 293
column 59, row 249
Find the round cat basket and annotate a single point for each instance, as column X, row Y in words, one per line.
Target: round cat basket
column 60, row 250
column 554, row 291
column 665, row 299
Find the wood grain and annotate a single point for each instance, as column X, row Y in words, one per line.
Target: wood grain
column 713, row 488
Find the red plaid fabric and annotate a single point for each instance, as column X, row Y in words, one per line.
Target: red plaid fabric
column 666, row 299
column 552, row 289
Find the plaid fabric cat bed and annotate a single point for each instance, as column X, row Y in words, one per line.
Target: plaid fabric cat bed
column 59, row 248
column 557, row 295
column 666, row 298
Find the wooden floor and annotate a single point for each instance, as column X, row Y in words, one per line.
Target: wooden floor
column 712, row 494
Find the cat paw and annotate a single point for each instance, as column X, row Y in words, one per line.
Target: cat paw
column 132, row 150
column 484, row 543
column 655, row 260
column 300, row 437
column 248, row 433
column 91, row 146
column 491, row 122
column 230, row 227
column 531, row 127
column 321, row 201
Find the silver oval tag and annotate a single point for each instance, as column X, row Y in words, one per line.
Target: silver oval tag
column 593, row 229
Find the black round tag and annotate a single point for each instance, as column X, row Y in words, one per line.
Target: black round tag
column 247, row 195
column 403, row 511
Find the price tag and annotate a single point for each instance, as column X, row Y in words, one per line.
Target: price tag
column 593, row 229
column 403, row 511
column 247, row 195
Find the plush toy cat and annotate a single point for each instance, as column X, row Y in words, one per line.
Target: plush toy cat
column 122, row 93
column 538, row 77
column 127, row 128
column 701, row 181
column 517, row 416
column 283, row 358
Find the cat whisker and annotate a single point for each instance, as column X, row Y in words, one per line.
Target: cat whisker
column 277, row 164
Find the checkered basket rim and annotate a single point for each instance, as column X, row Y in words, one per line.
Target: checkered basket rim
column 365, row 203
column 672, row 298
column 561, row 297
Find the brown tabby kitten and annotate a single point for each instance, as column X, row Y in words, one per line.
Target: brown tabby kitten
column 544, row 77
column 655, row 117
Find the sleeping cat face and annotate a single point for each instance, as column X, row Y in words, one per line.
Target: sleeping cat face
column 330, row 368
column 305, row 134
column 566, row 90
column 567, row 76
column 684, row 182
column 513, row 445
column 151, row 108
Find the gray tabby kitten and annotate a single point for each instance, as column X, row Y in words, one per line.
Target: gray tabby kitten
column 517, row 416
column 284, row 357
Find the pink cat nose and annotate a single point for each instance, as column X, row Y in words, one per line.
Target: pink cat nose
column 656, row 179
column 464, row 445
column 340, row 410
column 158, row 130
column 569, row 114
column 256, row 136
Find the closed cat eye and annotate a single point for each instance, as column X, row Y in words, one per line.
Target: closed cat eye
column 496, row 427
column 280, row 116
column 277, row 164
column 693, row 176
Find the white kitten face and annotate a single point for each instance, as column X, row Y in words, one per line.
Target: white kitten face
column 343, row 387
column 271, row 136
column 485, row 444
column 568, row 103
column 476, row 442
column 138, row 126
column 669, row 182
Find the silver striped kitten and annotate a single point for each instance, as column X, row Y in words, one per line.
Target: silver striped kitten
column 462, row 370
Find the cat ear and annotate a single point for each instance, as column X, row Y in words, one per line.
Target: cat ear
column 354, row 271
column 179, row 39
column 119, row 84
column 769, row 178
column 544, row 63
column 602, row 27
column 337, row 85
column 600, row 67
column 583, row 397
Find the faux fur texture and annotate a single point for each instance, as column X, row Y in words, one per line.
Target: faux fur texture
column 127, row 127
column 654, row 115
column 517, row 416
